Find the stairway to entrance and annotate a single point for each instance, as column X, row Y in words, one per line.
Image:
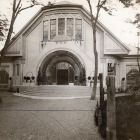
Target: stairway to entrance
column 56, row 91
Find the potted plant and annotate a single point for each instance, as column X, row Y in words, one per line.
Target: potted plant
column 28, row 78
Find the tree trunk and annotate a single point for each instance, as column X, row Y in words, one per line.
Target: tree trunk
column 93, row 95
column 94, row 28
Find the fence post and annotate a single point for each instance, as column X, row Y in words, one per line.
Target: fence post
column 111, row 108
column 101, row 91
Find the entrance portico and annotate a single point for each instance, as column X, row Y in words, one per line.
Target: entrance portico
column 56, row 48
column 62, row 68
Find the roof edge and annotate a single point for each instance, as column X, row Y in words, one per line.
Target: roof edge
column 53, row 6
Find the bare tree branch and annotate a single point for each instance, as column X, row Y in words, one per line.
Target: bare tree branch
column 25, row 8
column 102, row 3
column 91, row 12
column 14, row 5
column 99, row 6
column 18, row 5
column 38, row 3
column 34, row 2
column 17, row 8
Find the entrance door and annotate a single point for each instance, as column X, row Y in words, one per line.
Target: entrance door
column 62, row 77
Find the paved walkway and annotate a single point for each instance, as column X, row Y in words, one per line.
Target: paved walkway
column 29, row 119
column 54, row 92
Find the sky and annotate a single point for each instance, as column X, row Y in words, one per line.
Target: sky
column 117, row 23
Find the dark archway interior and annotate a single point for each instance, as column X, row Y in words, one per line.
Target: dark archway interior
column 61, row 67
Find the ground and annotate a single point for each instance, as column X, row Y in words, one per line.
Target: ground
column 34, row 119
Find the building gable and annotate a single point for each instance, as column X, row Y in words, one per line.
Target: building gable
column 15, row 48
column 113, row 47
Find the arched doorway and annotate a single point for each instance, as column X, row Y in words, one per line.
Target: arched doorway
column 131, row 77
column 62, row 68
column 64, row 73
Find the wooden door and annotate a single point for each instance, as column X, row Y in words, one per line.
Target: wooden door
column 62, row 77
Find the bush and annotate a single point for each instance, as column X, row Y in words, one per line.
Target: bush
column 89, row 78
column 33, row 78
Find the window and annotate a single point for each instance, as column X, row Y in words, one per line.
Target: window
column 78, row 29
column 70, row 23
column 61, row 26
column 52, row 28
column 63, row 65
column 45, row 30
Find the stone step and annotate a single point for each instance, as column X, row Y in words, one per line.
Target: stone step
column 55, row 90
column 4, row 87
column 56, row 93
column 51, row 87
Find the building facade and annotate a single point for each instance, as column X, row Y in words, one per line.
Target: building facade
column 56, row 47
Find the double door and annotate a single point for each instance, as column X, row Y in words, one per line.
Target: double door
column 62, row 77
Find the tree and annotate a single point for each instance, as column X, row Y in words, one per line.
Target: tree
column 93, row 20
column 101, row 5
column 133, row 3
column 136, row 22
column 3, row 27
column 17, row 8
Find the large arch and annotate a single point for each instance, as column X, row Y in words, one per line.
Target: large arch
column 61, row 66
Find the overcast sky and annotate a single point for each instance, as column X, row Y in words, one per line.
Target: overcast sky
column 117, row 24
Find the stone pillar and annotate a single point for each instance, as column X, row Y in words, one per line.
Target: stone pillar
column 111, row 108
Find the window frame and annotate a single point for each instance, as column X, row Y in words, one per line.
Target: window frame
column 47, row 31
column 55, row 25
column 76, row 31
column 61, row 29
column 72, row 27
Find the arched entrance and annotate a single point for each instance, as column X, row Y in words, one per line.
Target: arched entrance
column 131, row 77
column 61, row 68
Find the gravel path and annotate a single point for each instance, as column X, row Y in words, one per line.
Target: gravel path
column 28, row 119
